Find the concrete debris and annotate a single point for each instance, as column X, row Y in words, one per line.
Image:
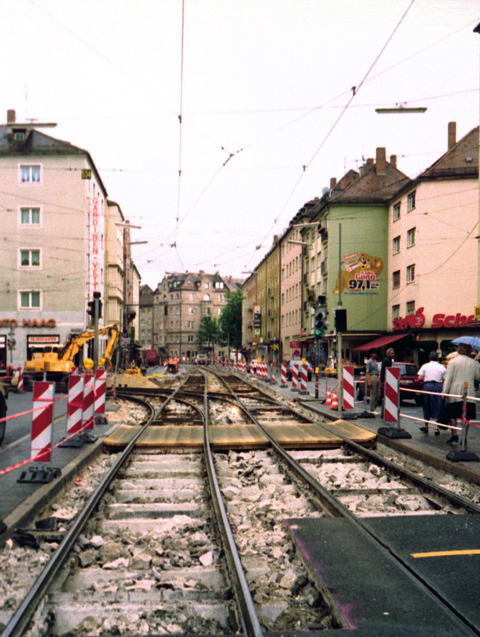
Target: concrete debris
column 121, row 562
column 207, row 558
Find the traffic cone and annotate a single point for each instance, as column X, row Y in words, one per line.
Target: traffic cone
column 334, row 404
column 329, row 397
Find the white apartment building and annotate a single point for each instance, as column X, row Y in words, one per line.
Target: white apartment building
column 433, row 251
column 54, row 208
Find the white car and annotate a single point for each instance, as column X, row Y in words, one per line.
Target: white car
column 201, row 359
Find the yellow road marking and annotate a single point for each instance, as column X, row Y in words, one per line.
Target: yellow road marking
column 447, row 553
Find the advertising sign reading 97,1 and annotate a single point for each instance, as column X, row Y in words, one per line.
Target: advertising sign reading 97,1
column 360, row 274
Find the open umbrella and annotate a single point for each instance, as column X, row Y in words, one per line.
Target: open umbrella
column 474, row 341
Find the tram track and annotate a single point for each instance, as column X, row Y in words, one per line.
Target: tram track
column 239, row 534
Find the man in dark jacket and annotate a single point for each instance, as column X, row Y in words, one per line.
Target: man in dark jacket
column 387, row 362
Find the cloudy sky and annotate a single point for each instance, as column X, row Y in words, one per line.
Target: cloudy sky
column 266, row 85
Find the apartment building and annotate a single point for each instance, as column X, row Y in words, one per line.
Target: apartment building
column 433, row 252
column 180, row 302
column 54, row 229
column 292, row 332
column 348, row 260
column 146, row 318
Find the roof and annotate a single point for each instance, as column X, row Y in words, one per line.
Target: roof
column 191, row 280
column 460, row 161
column 38, row 144
column 370, row 187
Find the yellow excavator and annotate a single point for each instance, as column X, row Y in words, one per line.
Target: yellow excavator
column 60, row 358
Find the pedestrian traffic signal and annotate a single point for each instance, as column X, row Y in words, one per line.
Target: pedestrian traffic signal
column 91, row 309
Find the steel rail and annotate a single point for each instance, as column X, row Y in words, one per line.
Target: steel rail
column 407, row 474
column 248, row 617
column 338, row 509
column 19, row 621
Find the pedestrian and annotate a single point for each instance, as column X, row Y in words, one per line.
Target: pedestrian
column 387, row 362
column 432, row 374
column 373, row 379
column 461, row 369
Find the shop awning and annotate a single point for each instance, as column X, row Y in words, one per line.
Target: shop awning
column 380, row 342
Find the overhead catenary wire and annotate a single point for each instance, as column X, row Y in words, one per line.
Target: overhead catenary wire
column 355, row 90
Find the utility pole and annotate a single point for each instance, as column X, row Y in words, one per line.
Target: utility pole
column 339, row 333
column 97, row 306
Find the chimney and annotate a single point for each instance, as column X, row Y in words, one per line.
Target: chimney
column 452, row 134
column 381, row 162
column 393, row 160
column 370, row 161
column 11, row 116
column 333, row 183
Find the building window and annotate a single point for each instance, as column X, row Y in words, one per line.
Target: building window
column 190, row 325
column 411, row 307
column 411, row 237
column 396, row 245
column 411, row 201
column 30, row 174
column 206, row 286
column 411, row 273
column 29, row 300
column 191, row 310
column 190, row 338
column 30, row 216
column 396, row 311
column 396, row 212
column 29, row 258
column 396, row 279
column 218, row 285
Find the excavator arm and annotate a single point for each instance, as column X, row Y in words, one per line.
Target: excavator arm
column 75, row 341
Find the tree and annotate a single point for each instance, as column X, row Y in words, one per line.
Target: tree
column 231, row 320
column 208, row 332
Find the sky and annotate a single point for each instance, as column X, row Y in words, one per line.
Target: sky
column 212, row 122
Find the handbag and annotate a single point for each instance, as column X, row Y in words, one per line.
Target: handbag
column 443, row 418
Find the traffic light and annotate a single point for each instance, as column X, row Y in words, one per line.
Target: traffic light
column 96, row 296
column 320, row 326
column 341, row 320
column 95, row 303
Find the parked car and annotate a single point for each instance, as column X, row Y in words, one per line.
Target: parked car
column 408, row 380
column 201, row 359
column 298, row 362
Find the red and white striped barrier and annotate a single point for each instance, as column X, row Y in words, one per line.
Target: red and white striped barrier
column 348, row 388
column 272, row 374
column 100, row 390
column 303, row 380
column 265, row 371
column 88, row 402
column 294, row 378
column 20, row 379
column 43, row 399
column 165, row 366
column 391, row 394
column 283, row 375
column 252, row 369
column 75, row 403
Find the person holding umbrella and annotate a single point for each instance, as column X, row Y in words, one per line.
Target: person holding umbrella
column 461, row 370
